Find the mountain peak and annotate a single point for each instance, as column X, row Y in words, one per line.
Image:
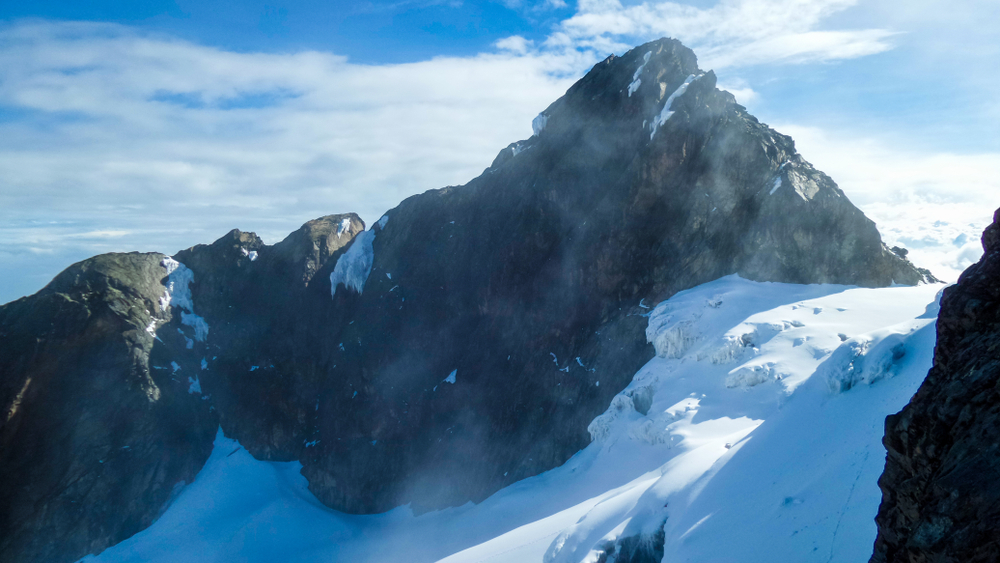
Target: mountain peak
column 525, row 290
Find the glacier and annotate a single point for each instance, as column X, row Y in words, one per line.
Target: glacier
column 753, row 435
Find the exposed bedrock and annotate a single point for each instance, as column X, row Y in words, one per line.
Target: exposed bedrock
column 98, row 428
column 463, row 342
column 940, row 493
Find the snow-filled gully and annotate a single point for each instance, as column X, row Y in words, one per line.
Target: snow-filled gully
column 760, row 441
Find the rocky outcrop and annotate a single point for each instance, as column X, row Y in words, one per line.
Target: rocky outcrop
column 464, row 342
column 99, row 429
column 940, row 500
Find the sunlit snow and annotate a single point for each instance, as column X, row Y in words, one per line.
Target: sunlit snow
column 754, row 435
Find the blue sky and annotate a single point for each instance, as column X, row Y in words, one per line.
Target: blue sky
column 369, row 32
column 154, row 126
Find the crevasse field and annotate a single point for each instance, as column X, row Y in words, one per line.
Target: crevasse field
column 753, row 436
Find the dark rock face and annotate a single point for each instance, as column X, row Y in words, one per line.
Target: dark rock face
column 94, row 438
column 267, row 330
column 464, row 342
column 940, row 499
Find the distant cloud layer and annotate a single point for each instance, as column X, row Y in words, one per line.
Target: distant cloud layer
column 115, row 139
column 730, row 33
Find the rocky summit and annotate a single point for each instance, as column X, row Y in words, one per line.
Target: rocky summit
column 462, row 343
column 940, row 500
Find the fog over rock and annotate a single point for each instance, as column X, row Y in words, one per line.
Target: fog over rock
column 487, row 327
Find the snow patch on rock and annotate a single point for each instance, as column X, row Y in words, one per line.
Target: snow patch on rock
column 538, row 123
column 354, row 266
column 344, row 226
column 667, row 112
column 178, row 294
column 777, row 184
column 636, row 81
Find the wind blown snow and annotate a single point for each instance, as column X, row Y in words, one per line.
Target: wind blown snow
column 667, row 112
column 354, row 266
column 780, row 466
column 178, row 294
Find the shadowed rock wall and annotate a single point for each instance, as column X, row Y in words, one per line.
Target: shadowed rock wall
column 941, row 485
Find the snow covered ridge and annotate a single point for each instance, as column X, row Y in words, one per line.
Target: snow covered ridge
column 178, row 294
column 782, row 466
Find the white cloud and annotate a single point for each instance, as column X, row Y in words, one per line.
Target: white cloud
column 740, row 89
column 730, row 33
column 515, row 44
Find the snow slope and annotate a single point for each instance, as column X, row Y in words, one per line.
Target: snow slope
column 754, row 435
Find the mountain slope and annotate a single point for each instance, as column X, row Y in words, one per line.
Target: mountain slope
column 465, row 341
column 797, row 482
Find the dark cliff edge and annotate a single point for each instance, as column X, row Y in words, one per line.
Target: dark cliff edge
column 940, row 493
column 462, row 343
